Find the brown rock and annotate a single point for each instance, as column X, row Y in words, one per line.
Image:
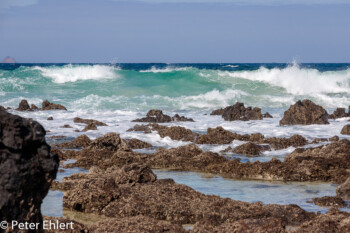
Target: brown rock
column 174, row 132
column 137, row 144
column 334, row 139
column 329, row 201
column 305, row 113
column 267, row 115
column 66, row 126
column 88, row 121
column 346, row 130
column 27, row 169
column 90, row 126
column 77, row 227
column 79, row 142
column 343, row 190
column 46, row 105
column 176, row 117
column 217, row 112
column 239, row 112
column 136, row 224
column 50, row 119
column 250, row 148
column 338, row 113
column 141, row 128
column 23, row 106
column 216, row 136
column 34, row 107
column 282, row 143
column 157, row 116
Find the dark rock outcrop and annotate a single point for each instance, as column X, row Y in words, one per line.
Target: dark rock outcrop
column 88, row 121
column 267, row 115
column 24, row 106
column 305, row 112
column 50, row 119
column 79, row 142
column 339, row 113
column 239, row 112
column 27, row 168
column 346, row 130
column 250, row 149
column 140, row 128
column 90, row 126
column 137, row 144
column 329, row 201
column 157, row 116
column 217, row 112
column 174, row 132
column 46, row 105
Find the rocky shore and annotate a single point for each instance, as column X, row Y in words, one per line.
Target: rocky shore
column 121, row 186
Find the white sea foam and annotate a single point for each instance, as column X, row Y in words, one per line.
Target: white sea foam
column 73, row 73
column 296, row 80
column 167, row 69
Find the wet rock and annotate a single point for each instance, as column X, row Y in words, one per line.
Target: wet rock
column 46, row 105
column 34, row 107
column 136, row 224
column 140, row 128
column 88, row 121
column 66, row 126
column 134, row 190
column 137, row 144
column 227, row 149
column 217, row 112
column 27, row 168
column 332, row 221
column 23, row 106
column 318, row 140
column 239, row 112
column 157, row 116
column 251, row 149
column 216, row 136
column 334, row 139
column 2, row 108
column 305, row 113
column 282, row 143
column 338, row 113
column 79, row 142
column 90, row 126
column 346, row 130
column 175, row 132
column 329, row 201
column 50, row 119
column 110, row 141
column 266, row 225
column 267, row 115
column 343, row 190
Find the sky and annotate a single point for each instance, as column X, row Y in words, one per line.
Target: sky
column 175, row 31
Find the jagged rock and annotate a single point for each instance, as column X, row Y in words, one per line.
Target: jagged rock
column 332, row 221
column 174, row 132
column 136, row 224
column 217, row 112
column 346, row 130
column 282, row 143
column 27, row 168
column 250, row 148
column 305, row 113
column 23, row 106
column 141, row 128
column 50, row 119
column 334, row 139
column 329, row 201
column 239, row 112
column 343, row 190
column 134, row 190
column 227, row 149
column 110, row 141
column 79, row 142
column 90, row 126
column 267, row 115
column 34, row 107
column 338, row 113
column 88, row 121
column 2, row 108
column 137, row 144
column 46, row 105
column 157, row 116
column 216, row 136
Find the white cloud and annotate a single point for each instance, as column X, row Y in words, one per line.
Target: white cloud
column 247, row 2
column 6, row 4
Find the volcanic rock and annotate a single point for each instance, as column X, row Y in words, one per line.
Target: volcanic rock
column 46, row 105
column 157, row 116
column 177, row 117
column 305, row 113
column 267, row 115
column 88, row 121
column 346, row 130
column 217, row 112
column 250, row 148
column 343, row 190
column 239, row 112
column 137, row 144
column 216, row 136
column 174, row 132
column 23, row 106
column 329, row 201
column 141, row 128
column 79, row 142
column 282, row 143
column 27, row 168
column 339, row 113
column 50, row 119
column 90, row 126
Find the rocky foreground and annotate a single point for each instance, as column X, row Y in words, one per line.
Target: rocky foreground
column 121, row 187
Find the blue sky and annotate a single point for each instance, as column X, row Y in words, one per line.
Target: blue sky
column 175, row 30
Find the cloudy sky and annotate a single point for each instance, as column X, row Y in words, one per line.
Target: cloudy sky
column 175, row 30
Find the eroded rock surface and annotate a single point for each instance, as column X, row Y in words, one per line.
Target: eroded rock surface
column 343, row 190
column 88, row 121
column 250, row 149
column 305, row 112
column 27, row 168
column 346, row 130
column 46, row 105
column 157, row 116
column 239, row 112
column 134, row 143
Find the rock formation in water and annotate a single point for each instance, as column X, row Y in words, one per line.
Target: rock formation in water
column 157, row 116
column 27, row 168
column 239, row 112
column 305, row 113
column 46, row 105
column 345, row 130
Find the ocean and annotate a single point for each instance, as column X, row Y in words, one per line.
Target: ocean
column 116, row 94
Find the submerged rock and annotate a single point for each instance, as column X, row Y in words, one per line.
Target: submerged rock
column 346, row 130
column 157, row 116
column 305, row 112
column 27, row 168
column 46, row 105
column 88, row 121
